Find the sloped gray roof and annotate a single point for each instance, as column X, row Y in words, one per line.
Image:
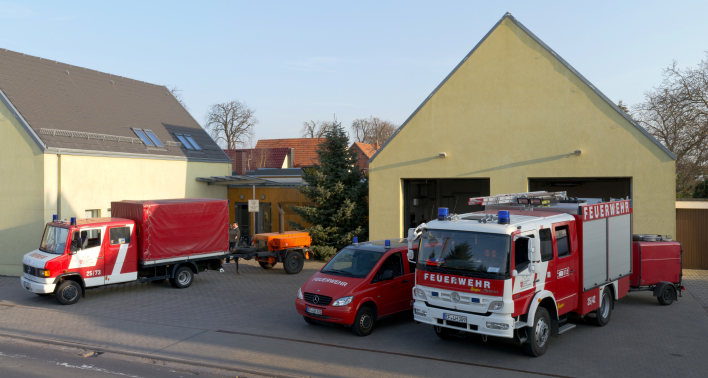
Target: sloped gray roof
column 78, row 110
column 545, row 46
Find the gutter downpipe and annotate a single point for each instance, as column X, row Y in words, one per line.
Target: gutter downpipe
column 59, row 186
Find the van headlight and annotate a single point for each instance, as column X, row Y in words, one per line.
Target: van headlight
column 343, row 301
column 497, row 305
column 299, row 294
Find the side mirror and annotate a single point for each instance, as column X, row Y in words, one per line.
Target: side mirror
column 514, row 273
column 73, row 250
column 386, row 275
column 411, row 256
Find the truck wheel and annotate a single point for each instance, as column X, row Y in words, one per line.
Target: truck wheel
column 266, row 265
column 364, row 321
column 68, row 292
column 183, row 278
column 445, row 333
column 602, row 314
column 294, row 262
column 667, row 295
column 537, row 335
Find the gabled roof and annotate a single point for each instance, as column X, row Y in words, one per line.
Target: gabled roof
column 368, row 149
column 304, row 149
column 253, row 158
column 72, row 109
column 561, row 60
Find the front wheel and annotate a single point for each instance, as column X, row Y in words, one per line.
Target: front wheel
column 364, row 321
column 294, row 262
column 602, row 314
column 537, row 340
column 183, row 278
column 68, row 292
column 667, row 295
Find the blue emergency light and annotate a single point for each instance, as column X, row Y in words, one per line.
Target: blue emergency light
column 503, row 217
column 442, row 213
column 55, row 218
column 387, row 243
column 73, row 221
column 355, row 240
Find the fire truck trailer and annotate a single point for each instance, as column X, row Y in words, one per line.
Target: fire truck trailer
column 519, row 268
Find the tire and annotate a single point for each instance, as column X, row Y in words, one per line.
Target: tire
column 667, row 295
column 183, row 278
column 266, row 265
column 445, row 333
column 364, row 321
column 603, row 314
column 68, row 292
column 294, row 262
column 308, row 320
column 538, row 335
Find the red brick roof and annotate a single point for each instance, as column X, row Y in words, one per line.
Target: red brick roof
column 364, row 152
column 248, row 159
column 304, row 149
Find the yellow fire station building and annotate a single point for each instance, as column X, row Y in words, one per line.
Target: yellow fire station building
column 513, row 116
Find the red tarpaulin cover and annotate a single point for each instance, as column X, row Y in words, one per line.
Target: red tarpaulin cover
column 177, row 227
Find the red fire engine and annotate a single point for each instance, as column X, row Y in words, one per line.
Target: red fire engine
column 521, row 266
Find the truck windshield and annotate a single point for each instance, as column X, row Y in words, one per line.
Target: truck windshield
column 460, row 252
column 54, row 240
column 352, row 262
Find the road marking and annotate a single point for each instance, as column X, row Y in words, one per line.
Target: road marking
column 394, row 354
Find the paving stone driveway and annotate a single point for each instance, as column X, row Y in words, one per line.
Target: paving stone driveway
column 696, row 283
column 248, row 321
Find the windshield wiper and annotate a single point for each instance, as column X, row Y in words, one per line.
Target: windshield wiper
column 335, row 271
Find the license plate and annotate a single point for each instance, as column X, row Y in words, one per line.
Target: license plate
column 314, row 311
column 455, row 318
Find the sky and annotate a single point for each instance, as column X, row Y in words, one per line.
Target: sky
column 296, row 61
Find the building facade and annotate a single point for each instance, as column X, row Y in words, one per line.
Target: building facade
column 513, row 116
column 75, row 139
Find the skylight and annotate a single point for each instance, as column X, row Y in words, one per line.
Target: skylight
column 194, row 144
column 184, row 141
column 144, row 137
column 153, row 138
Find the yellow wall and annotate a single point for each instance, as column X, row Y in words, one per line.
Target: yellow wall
column 29, row 181
column 21, row 193
column 512, row 112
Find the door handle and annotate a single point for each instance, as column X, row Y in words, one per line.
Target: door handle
column 572, row 271
column 537, row 281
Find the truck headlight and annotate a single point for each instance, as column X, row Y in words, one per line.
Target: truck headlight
column 419, row 293
column 420, row 312
column 343, row 301
column 43, row 272
column 497, row 305
column 299, row 294
column 502, row 326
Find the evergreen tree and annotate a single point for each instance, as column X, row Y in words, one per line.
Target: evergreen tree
column 339, row 192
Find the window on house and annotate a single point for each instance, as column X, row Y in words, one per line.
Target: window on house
column 194, row 144
column 93, row 213
column 188, row 142
column 141, row 134
column 153, row 138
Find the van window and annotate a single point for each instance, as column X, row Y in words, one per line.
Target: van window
column 119, row 235
column 562, row 241
column 546, row 244
column 393, row 263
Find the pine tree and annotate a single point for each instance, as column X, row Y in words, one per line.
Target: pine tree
column 339, row 192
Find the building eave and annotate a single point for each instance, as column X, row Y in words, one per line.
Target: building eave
column 42, row 146
column 97, row 153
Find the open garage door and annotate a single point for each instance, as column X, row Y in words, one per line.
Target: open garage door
column 422, row 197
column 585, row 187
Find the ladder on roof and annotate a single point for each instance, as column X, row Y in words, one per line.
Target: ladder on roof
column 513, row 198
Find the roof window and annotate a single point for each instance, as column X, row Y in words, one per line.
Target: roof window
column 188, row 142
column 148, row 137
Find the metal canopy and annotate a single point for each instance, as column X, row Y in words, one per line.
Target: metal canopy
column 240, row 180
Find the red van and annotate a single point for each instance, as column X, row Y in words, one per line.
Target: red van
column 362, row 283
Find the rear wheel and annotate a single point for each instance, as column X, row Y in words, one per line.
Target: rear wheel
column 68, row 292
column 183, row 278
column 537, row 339
column 602, row 314
column 667, row 296
column 266, row 265
column 294, row 262
column 364, row 321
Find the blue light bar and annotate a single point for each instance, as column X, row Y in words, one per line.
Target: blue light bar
column 73, row 221
column 388, row 243
column 442, row 213
column 355, row 240
column 55, row 218
column 503, row 217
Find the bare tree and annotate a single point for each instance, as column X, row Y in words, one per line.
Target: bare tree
column 372, row 130
column 177, row 93
column 231, row 123
column 676, row 113
column 316, row 129
column 623, row 106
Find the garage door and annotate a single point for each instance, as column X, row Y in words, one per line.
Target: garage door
column 585, row 187
column 422, row 197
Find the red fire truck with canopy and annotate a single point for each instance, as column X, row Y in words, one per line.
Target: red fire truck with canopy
column 521, row 266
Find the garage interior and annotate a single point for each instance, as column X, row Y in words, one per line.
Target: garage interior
column 602, row 188
column 422, row 197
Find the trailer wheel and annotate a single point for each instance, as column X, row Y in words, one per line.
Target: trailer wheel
column 183, row 278
column 445, row 333
column 266, row 265
column 667, row 295
column 68, row 292
column 294, row 262
column 364, row 321
column 602, row 314
column 538, row 334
